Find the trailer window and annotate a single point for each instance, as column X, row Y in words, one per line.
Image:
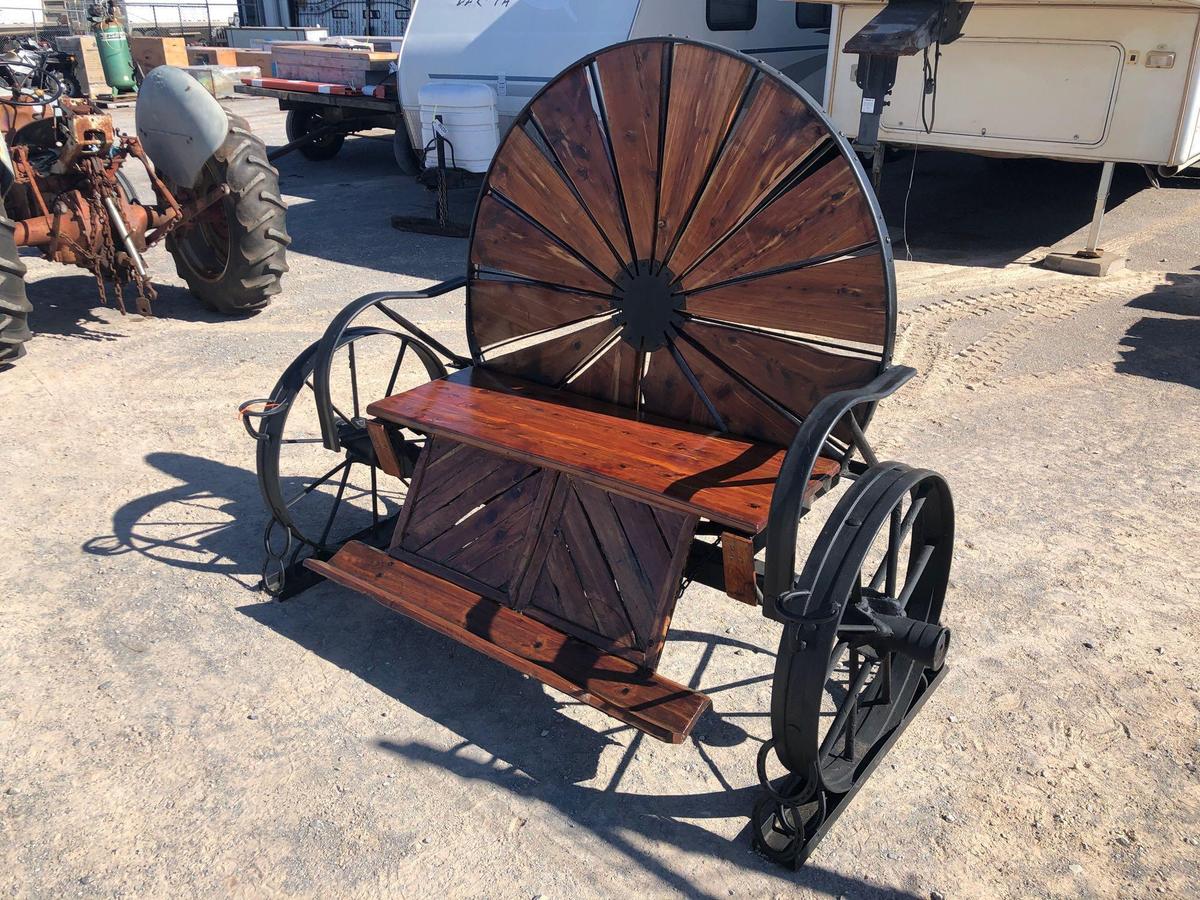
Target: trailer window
column 813, row 15
column 731, row 15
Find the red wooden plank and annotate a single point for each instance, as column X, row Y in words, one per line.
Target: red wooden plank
column 725, row 479
column 659, row 707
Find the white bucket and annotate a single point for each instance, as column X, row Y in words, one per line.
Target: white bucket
column 468, row 111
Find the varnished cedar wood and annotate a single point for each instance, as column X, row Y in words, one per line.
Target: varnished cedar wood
column 737, row 556
column 825, row 213
column 650, row 703
column 725, row 479
column 494, row 525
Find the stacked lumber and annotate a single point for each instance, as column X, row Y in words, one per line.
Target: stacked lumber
column 351, row 66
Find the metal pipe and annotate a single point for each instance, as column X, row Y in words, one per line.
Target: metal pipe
column 118, row 224
column 1093, row 238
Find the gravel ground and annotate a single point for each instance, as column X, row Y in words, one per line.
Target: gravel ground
column 167, row 731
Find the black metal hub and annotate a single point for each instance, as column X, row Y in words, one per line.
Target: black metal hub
column 649, row 306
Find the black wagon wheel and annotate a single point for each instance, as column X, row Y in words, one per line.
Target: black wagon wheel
column 321, row 498
column 677, row 228
column 864, row 630
column 305, row 120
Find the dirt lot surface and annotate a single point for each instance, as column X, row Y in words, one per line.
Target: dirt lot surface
column 167, row 731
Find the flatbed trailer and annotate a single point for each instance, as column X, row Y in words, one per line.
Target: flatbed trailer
column 321, row 115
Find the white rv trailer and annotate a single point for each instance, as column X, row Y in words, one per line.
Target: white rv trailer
column 516, row 46
column 1106, row 81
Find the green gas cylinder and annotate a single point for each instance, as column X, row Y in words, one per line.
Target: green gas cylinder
column 114, row 47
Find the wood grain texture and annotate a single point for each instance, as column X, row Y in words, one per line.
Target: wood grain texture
column 657, row 706
column 610, row 575
column 825, row 213
column 743, row 412
column 566, row 116
column 529, row 180
column 631, row 83
column 506, row 242
column 551, row 360
column 613, row 378
column 737, row 555
column 385, row 450
column 667, row 393
column 503, row 310
column 728, row 480
column 845, row 299
column 774, row 134
column 706, row 89
column 796, row 376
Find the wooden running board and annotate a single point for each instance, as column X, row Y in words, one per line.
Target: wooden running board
column 652, row 704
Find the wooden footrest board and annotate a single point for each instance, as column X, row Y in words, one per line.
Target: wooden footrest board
column 657, row 706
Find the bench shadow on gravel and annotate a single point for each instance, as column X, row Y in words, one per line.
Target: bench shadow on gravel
column 210, row 522
column 535, row 751
column 1166, row 347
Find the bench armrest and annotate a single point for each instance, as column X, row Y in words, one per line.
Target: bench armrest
column 333, row 334
column 794, row 475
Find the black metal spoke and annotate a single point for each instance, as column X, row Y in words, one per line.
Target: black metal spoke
column 374, row 496
column 315, row 440
column 353, row 378
column 914, row 575
column 320, row 481
column 337, row 504
column 695, row 385
column 906, row 525
column 843, row 713
column 345, row 418
column 391, row 385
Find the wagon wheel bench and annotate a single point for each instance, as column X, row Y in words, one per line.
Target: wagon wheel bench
column 680, row 314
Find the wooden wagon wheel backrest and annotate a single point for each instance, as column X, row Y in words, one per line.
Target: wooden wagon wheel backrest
column 677, row 228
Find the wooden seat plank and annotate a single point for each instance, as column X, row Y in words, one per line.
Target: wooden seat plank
column 657, row 706
column 726, row 479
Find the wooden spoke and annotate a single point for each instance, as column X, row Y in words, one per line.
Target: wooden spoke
column 504, row 310
column 506, row 241
column 672, row 228
column 613, row 377
column 533, row 184
column 743, row 412
column 773, row 135
column 552, row 361
column 845, row 298
column 705, row 95
column 795, row 376
column 631, row 84
column 825, row 213
column 566, row 115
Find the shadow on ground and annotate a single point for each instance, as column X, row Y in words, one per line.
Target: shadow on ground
column 66, row 306
column 443, row 681
column 210, row 522
column 1166, row 347
column 984, row 211
column 364, row 177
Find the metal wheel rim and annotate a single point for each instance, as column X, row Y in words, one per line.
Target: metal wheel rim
column 295, row 379
column 811, row 648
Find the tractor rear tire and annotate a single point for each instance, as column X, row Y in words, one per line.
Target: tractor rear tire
column 14, row 305
column 234, row 266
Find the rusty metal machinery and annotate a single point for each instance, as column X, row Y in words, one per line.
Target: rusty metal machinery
column 66, row 193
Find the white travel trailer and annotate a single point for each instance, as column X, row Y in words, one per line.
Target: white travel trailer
column 1086, row 80
column 516, row 46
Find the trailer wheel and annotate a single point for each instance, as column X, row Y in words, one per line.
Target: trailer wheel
column 14, row 305
column 406, row 157
column 233, row 255
column 301, row 121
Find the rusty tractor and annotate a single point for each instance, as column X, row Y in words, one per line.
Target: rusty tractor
column 217, row 206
